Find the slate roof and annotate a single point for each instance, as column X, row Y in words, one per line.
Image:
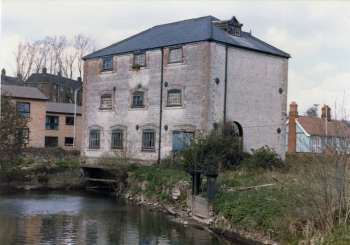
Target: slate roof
column 51, row 78
column 317, row 126
column 8, row 80
column 63, row 108
column 22, row 92
column 186, row 31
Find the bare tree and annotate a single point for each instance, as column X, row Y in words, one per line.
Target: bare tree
column 57, row 54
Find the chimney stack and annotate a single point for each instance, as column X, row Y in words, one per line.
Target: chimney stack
column 326, row 113
column 3, row 72
column 59, row 73
column 79, row 79
column 292, row 128
column 44, row 70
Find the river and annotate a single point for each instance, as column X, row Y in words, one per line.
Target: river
column 84, row 219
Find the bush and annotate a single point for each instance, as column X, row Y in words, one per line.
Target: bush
column 212, row 153
column 264, row 158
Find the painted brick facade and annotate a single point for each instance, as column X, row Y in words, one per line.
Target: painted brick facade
column 256, row 97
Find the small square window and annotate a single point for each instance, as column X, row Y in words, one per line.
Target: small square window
column 175, row 55
column 138, row 100
column 107, row 63
column 148, row 140
column 174, row 97
column 68, row 141
column 106, row 102
column 69, row 120
column 140, row 59
column 117, row 139
column 51, row 141
column 23, row 109
column 52, row 122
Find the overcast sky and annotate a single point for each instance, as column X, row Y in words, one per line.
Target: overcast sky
column 316, row 34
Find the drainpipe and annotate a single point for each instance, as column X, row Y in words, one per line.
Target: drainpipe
column 75, row 115
column 225, row 81
column 161, row 105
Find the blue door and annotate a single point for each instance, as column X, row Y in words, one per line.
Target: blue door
column 181, row 140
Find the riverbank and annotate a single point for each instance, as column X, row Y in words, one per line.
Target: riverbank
column 255, row 205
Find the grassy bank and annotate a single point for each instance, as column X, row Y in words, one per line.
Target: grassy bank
column 275, row 203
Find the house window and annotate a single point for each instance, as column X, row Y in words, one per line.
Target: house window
column 175, row 55
column 181, row 140
column 106, row 102
column 69, row 120
column 174, row 97
column 138, row 99
column 140, row 59
column 22, row 136
column 94, row 139
column 148, row 140
column 107, row 63
column 52, row 122
column 68, row 141
column 51, row 141
column 23, row 109
column 117, row 139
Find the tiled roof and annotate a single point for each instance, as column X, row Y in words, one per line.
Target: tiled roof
column 64, row 108
column 186, row 31
column 22, row 92
column 317, row 126
column 51, row 78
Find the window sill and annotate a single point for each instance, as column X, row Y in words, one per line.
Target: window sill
column 170, row 107
column 106, row 71
column 149, row 150
column 52, row 129
column 138, row 108
column 94, row 149
column 105, row 109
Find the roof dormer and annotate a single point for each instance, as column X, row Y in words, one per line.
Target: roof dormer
column 231, row 26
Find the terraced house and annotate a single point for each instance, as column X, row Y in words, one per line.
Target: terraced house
column 150, row 94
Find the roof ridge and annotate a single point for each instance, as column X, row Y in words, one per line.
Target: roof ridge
column 179, row 21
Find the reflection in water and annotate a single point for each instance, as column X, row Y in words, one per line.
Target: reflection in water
column 31, row 219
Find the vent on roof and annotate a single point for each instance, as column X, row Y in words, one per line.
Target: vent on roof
column 231, row 26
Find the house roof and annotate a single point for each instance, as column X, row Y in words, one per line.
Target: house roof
column 22, row 92
column 186, row 31
column 51, row 78
column 8, row 80
column 317, row 126
column 63, row 108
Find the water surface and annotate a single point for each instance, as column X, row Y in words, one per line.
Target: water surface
column 42, row 218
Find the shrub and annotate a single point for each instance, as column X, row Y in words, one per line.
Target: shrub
column 265, row 158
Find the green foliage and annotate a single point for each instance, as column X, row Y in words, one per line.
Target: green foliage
column 72, row 163
column 212, row 152
column 265, row 158
column 339, row 236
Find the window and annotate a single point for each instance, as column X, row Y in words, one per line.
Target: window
column 174, row 97
column 23, row 109
column 181, row 140
column 175, row 55
column 68, row 141
column 94, row 139
column 117, row 139
column 51, row 141
column 148, row 140
column 107, row 63
column 69, row 120
column 140, row 59
column 106, row 102
column 22, row 136
column 138, row 99
column 52, row 122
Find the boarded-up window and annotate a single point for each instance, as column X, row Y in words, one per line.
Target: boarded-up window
column 117, row 139
column 174, row 97
column 94, row 139
column 175, row 55
column 148, row 140
column 140, row 59
column 51, row 141
column 106, row 102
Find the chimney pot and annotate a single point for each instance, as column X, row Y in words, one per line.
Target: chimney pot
column 79, row 79
column 59, row 73
column 3, row 72
column 44, row 70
